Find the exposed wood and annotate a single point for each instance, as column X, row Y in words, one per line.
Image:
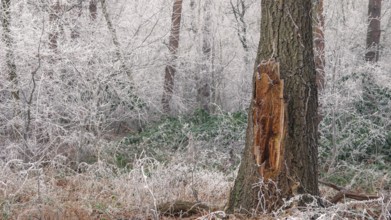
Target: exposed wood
column 290, row 167
column 269, row 121
column 374, row 31
column 170, row 69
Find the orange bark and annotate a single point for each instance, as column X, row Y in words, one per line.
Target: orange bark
column 269, row 119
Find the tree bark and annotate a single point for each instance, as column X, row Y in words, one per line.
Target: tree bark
column 115, row 40
column 93, row 8
column 280, row 157
column 75, row 32
column 170, row 70
column 373, row 33
column 54, row 32
column 8, row 42
column 239, row 10
column 319, row 44
column 203, row 87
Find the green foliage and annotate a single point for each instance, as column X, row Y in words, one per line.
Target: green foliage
column 362, row 125
column 164, row 138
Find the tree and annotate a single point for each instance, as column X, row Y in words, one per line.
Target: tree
column 75, row 32
column 170, row 69
column 203, row 84
column 373, row 33
column 8, row 41
column 239, row 10
column 54, row 26
column 115, row 40
column 280, row 155
column 93, row 9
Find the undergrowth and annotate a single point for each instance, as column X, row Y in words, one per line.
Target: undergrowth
column 218, row 137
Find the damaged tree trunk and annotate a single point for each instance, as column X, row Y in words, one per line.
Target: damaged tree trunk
column 269, row 121
column 280, row 157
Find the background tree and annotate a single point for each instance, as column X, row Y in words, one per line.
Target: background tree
column 173, row 45
column 115, row 40
column 8, row 42
column 75, row 32
column 93, row 8
column 239, row 9
column 280, row 156
column 204, row 78
column 374, row 31
column 54, row 14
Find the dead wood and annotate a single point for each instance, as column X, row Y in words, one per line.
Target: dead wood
column 346, row 193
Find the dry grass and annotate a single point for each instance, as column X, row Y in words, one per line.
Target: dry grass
column 102, row 191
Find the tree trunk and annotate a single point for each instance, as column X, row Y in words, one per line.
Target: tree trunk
column 280, row 157
column 93, row 9
column 115, row 40
column 203, row 87
column 54, row 32
column 239, row 10
column 373, row 33
column 8, row 42
column 319, row 44
column 75, row 32
column 170, row 70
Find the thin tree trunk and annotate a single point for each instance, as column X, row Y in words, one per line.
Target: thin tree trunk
column 204, row 90
column 93, row 9
column 54, row 32
column 319, row 44
column 239, row 10
column 115, row 40
column 280, row 157
column 8, row 41
column 373, row 33
column 75, row 33
column 170, row 70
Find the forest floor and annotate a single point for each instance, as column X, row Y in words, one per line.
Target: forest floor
column 178, row 168
column 83, row 196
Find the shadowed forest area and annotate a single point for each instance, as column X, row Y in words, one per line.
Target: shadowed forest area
column 159, row 109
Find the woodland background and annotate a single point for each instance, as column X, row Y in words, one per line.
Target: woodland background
column 87, row 136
